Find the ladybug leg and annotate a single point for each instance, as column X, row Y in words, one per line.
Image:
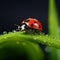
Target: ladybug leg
column 18, row 28
column 36, row 31
column 22, row 27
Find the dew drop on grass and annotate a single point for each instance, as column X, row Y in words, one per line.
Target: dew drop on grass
column 35, row 38
column 5, row 32
column 5, row 37
column 44, row 41
column 47, row 35
column 14, row 31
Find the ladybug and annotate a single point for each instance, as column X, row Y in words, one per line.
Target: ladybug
column 30, row 23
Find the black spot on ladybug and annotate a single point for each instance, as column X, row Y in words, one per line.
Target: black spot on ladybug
column 31, row 25
column 34, row 21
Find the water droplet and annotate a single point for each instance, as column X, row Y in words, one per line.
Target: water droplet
column 43, row 33
column 14, row 31
column 9, row 32
column 46, row 35
column 5, row 37
column 5, row 32
column 44, row 41
column 35, row 38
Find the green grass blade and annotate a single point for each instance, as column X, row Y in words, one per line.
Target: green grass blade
column 53, row 26
column 19, row 36
column 53, row 18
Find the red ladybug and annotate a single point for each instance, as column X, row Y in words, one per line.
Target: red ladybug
column 32, row 24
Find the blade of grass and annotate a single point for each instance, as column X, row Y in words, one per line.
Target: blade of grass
column 53, row 26
column 44, row 39
column 52, row 18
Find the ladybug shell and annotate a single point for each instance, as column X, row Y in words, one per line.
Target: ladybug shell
column 33, row 23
